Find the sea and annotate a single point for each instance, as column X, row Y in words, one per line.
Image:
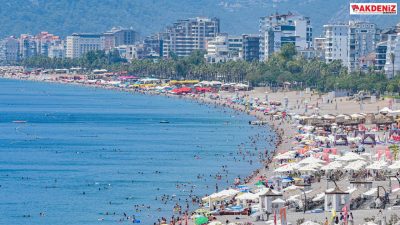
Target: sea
column 82, row 155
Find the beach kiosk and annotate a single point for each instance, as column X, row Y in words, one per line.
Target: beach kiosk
column 266, row 200
column 336, row 200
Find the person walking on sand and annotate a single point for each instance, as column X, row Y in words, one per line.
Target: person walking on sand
column 351, row 219
column 336, row 220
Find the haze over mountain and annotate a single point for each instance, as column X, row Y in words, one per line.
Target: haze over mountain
column 64, row 17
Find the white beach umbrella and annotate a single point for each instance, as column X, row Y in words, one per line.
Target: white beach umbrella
column 291, row 188
column 332, row 166
column 350, row 156
column 351, row 190
column 395, row 165
column 265, row 190
column 334, row 157
column 311, row 160
column 307, row 168
column 285, row 156
column 356, row 116
column 328, row 117
column 371, row 192
column 272, row 222
column 309, row 222
column 356, row 165
column 287, row 168
column 369, row 223
column 385, row 110
column 221, row 195
column 247, row 196
column 377, row 165
column 215, row 223
column 319, row 197
column 279, row 201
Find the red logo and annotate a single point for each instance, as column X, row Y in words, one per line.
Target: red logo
column 373, row 8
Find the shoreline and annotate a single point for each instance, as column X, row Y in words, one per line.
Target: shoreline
column 198, row 99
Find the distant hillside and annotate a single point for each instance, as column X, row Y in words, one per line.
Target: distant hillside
column 64, row 17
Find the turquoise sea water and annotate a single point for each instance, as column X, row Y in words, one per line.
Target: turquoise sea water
column 84, row 152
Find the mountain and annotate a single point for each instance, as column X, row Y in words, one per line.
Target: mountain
column 63, row 17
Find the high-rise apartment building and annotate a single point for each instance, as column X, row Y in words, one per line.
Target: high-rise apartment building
column 235, row 45
column 187, row 35
column 119, row 36
column 392, row 62
column 362, row 40
column 280, row 29
column 251, row 47
column 217, row 49
column 9, row 50
column 381, row 50
column 319, row 47
column 79, row 44
column 224, row 48
column 44, row 40
column 27, row 46
column 155, row 43
column 336, row 42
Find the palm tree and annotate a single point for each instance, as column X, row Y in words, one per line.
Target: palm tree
column 395, row 150
column 392, row 58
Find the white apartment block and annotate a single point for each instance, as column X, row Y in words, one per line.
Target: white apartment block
column 363, row 37
column 217, row 49
column 185, row 36
column 393, row 47
column 79, row 44
column 336, row 42
column 57, row 51
column 279, row 29
column 235, row 45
